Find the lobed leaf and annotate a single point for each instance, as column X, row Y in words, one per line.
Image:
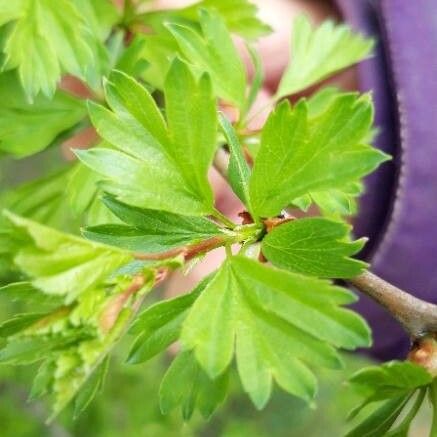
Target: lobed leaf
column 159, row 325
column 47, row 39
column 61, row 264
column 314, row 246
column 214, row 52
column 153, row 166
column 318, row 53
column 185, row 384
column 300, row 155
column 277, row 322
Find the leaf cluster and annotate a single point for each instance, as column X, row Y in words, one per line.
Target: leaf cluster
column 270, row 312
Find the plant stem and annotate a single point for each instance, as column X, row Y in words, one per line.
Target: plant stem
column 416, row 316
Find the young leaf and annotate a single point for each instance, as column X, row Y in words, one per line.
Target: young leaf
column 239, row 15
column 278, row 322
column 159, row 325
column 300, row 155
column 394, row 383
column 316, row 54
column 43, row 379
column 61, row 264
column 381, row 420
column 215, row 53
column 154, row 166
column 314, row 246
column 18, row 323
column 47, row 39
column 26, row 293
column 29, row 128
column 393, row 379
column 187, row 385
column 30, row 350
column 238, row 169
column 43, row 200
column 91, row 388
column 149, row 230
column 192, row 123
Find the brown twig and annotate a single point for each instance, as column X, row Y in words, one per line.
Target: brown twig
column 188, row 252
column 417, row 317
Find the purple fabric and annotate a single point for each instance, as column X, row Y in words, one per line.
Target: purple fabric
column 399, row 211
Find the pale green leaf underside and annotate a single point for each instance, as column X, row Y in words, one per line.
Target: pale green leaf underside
column 278, row 322
column 63, row 264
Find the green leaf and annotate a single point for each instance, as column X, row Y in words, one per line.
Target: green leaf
column 186, row 385
column 26, row 293
column 47, row 39
column 19, row 323
column 300, row 155
column 238, row 169
column 381, row 420
column 338, row 202
column 29, row 128
column 277, row 322
column 314, row 246
column 43, row 199
column 390, row 380
column 61, row 264
column 433, row 400
column 43, row 380
column 318, row 53
column 90, row 389
column 156, row 166
column 150, row 230
column 30, row 350
column 393, row 377
column 214, row 52
column 159, row 325
column 240, row 16
column 192, row 122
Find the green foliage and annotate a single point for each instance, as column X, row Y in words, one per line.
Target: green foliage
column 28, row 128
column 214, row 52
column 185, row 384
column 392, row 386
column 238, row 169
column 268, row 316
column 329, row 151
column 47, row 38
column 315, row 247
column 147, row 169
column 148, row 230
column 61, row 264
column 318, row 53
column 142, row 194
column 159, row 325
column 239, row 15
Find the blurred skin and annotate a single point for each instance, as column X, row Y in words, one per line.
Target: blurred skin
column 275, row 53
